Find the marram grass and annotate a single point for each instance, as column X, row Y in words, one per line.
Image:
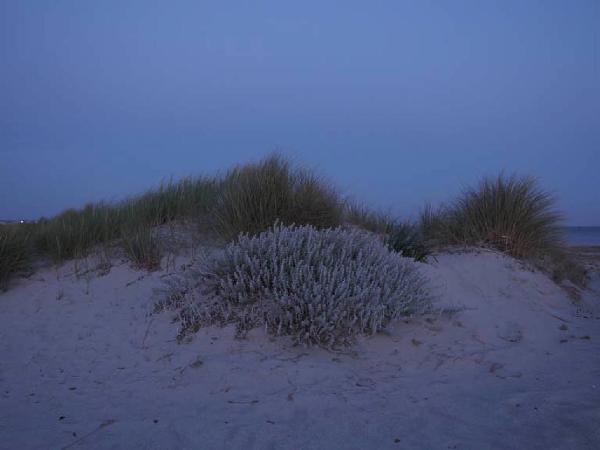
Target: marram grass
column 511, row 214
column 14, row 252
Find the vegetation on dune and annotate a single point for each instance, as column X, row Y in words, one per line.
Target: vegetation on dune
column 369, row 219
column 401, row 236
column 187, row 198
column 72, row 233
column 14, row 252
column 254, row 196
column 406, row 238
column 321, row 287
column 142, row 247
column 511, row 214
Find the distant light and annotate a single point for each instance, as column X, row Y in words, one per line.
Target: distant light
column 22, row 221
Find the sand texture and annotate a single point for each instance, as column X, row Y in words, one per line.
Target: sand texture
column 514, row 363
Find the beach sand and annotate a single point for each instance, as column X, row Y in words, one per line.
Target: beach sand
column 514, row 363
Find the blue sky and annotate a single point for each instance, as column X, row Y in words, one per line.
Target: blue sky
column 399, row 103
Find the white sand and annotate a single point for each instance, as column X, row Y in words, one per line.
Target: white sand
column 83, row 365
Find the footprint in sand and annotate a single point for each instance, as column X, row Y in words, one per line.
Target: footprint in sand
column 500, row 371
column 510, row 332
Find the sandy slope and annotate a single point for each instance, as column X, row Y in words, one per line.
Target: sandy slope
column 84, row 365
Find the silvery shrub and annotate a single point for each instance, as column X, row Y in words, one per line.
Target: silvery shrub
column 321, row 287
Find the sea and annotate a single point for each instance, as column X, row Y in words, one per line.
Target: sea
column 583, row 235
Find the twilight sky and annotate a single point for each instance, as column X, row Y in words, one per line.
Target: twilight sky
column 397, row 102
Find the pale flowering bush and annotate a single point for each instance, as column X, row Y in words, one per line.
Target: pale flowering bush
column 319, row 286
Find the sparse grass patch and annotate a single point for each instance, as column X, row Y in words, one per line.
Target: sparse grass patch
column 561, row 265
column 321, row 287
column 368, row 219
column 142, row 247
column 72, row 233
column 14, row 252
column 254, row 196
column 186, row 198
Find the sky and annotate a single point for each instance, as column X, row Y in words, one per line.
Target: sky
column 398, row 103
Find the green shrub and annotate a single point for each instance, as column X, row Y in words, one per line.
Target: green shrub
column 14, row 252
column 254, row 196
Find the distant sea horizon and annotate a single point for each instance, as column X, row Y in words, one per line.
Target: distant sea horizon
column 578, row 235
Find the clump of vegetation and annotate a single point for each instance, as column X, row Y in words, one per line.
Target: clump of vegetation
column 561, row 266
column 511, row 214
column 406, row 238
column 321, row 287
column 142, row 247
column 368, row 219
column 14, row 252
column 254, row 196
column 73, row 233
column 185, row 199
column 401, row 236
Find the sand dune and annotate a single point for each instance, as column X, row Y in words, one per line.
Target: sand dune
column 514, row 363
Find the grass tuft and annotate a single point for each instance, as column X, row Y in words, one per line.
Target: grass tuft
column 401, row 236
column 406, row 238
column 255, row 196
column 511, row 214
column 72, row 233
column 142, row 247
column 368, row 219
column 14, row 252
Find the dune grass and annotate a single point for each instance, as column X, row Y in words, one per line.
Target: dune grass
column 73, row 233
column 369, row 219
column 511, row 214
column 401, row 236
column 255, row 196
column 248, row 199
column 14, row 252
column 142, row 247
